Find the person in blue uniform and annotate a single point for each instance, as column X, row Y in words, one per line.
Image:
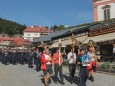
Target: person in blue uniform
column 38, row 60
column 30, row 58
column 14, row 59
column 5, row 56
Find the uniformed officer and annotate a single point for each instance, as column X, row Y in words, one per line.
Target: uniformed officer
column 5, row 56
column 14, row 60
column 30, row 58
column 25, row 57
column 21, row 57
column 38, row 60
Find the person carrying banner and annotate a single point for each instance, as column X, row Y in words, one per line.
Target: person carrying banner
column 47, row 66
column 83, row 61
column 72, row 64
column 93, row 64
column 58, row 59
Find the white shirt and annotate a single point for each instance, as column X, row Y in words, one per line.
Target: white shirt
column 92, row 55
column 47, row 58
column 114, row 50
column 70, row 58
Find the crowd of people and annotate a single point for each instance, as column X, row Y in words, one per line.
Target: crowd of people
column 86, row 60
column 21, row 56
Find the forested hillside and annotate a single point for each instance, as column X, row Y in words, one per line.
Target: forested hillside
column 11, row 28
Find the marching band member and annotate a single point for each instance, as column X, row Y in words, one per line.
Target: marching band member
column 46, row 66
column 58, row 59
column 72, row 64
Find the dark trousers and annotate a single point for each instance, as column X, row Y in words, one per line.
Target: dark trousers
column 84, row 76
column 57, row 69
column 38, row 64
column 14, row 60
column 30, row 63
column 5, row 60
column 72, row 68
column 22, row 60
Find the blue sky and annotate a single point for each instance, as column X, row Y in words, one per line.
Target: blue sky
column 47, row 12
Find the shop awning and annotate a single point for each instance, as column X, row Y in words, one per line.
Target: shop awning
column 101, row 38
column 68, row 41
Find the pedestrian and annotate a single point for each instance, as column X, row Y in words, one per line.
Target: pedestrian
column 58, row 59
column 22, row 57
column 14, row 59
column 72, row 64
column 38, row 60
column 83, row 72
column 47, row 66
column 93, row 64
column 30, row 58
column 5, row 56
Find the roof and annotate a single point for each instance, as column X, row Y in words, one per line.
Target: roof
column 37, row 29
column 68, row 41
column 55, row 34
column 16, row 40
column 21, row 41
column 101, row 38
column 5, row 39
column 84, row 27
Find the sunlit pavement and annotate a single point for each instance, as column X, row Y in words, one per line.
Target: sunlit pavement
column 21, row 75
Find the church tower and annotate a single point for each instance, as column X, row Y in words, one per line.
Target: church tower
column 104, row 9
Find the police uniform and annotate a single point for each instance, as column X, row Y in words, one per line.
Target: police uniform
column 14, row 60
column 5, row 57
column 38, row 61
column 30, row 59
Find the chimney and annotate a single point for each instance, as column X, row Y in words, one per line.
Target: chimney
column 32, row 26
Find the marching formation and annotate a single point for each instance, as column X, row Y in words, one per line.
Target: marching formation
column 14, row 56
column 85, row 60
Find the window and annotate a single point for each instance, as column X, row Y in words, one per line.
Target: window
column 36, row 34
column 106, row 11
column 106, row 14
column 28, row 34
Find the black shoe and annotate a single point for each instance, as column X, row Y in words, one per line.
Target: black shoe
column 71, row 82
column 92, row 78
column 56, row 82
column 62, row 83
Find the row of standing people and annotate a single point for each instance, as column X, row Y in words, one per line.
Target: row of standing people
column 86, row 68
column 22, row 57
column 34, row 57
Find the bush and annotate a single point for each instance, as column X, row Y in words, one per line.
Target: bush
column 105, row 66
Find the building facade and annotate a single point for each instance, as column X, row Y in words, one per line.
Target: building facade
column 34, row 32
column 104, row 9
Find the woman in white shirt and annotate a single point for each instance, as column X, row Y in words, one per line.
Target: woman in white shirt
column 47, row 66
